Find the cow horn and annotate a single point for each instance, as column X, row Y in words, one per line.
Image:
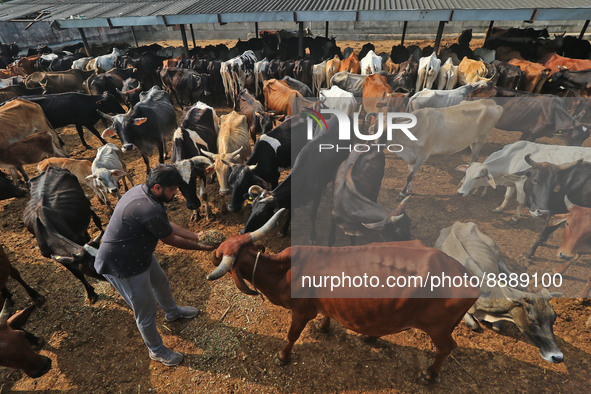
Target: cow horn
column 5, row 314
column 403, row 202
column 566, row 166
column 254, row 188
column 104, row 115
column 208, row 154
column 394, row 219
column 529, row 160
column 567, row 202
column 201, row 160
column 252, row 168
column 258, row 234
column 228, row 163
column 236, row 152
column 222, row 269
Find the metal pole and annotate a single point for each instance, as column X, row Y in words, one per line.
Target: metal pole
column 84, row 41
column 185, row 44
column 134, row 37
column 326, row 30
column 256, row 30
column 490, row 26
column 403, row 32
column 584, row 29
column 301, row 51
column 439, row 35
column 193, row 35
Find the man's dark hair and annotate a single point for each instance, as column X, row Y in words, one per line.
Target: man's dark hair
column 165, row 175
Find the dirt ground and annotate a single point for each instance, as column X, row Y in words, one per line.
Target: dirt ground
column 231, row 345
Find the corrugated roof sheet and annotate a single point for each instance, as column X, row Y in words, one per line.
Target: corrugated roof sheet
column 63, row 10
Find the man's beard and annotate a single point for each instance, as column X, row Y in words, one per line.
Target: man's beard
column 163, row 199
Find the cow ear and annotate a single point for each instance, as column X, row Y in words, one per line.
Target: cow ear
column 462, row 168
column 118, row 172
column 491, row 181
column 90, row 177
column 110, row 132
column 557, row 220
column 139, row 121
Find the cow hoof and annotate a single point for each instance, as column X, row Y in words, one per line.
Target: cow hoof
column 87, row 147
column 279, row 361
column 39, row 300
column 496, row 210
column 514, row 220
column 426, row 376
column 92, row 299
column 370, row 340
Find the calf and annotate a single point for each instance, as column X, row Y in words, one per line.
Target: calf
column 189, row 85
column 146, row 125
column 259, row 121
column 530, row 312
column 575, row 239
column 355, row 209
column 31, row 149
column 107, row 168
column 273, row 276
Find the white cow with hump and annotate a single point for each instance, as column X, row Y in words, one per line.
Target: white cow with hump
column 428, row 71
column 337, row 98
column 446, row 131
column 371, row 63
column 499, row 167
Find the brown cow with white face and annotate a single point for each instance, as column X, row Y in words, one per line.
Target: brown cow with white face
column 576, row 239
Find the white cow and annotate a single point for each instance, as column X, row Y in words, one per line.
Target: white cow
column 428, row 71
column 498, row 168
column 428, row 98
column 371, row 63
column 260, row 73
column 80, row 64
column 448, row 75
column 107, row 62
column 107, row 168
column 337, row 98
column 318, row 77
column 234, row 73
column 446, row 131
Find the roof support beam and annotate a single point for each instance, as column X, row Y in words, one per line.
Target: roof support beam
column 84, row 41
column 326, row 29
column 134, row 37
column 185, row 44
column 490, row 26
column 403, row 32
column 193, row 35
column 256, row 30
column 301, row 52
column 584, row 29
column 438, row 37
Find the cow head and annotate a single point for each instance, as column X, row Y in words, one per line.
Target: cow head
column 264, row 205
column 226, row 255
column 534, row 316
column 109, row 104
column 222, row 164
column 15, row 349
column 241, row 180
column 476, row 175
column 124, row 126
column 575, row 135
column 263, row 121
column 542, row 182
column 106, row 180
column 192, row 171
column 576, row 238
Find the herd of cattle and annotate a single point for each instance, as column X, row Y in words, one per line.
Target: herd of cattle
column 521, row 80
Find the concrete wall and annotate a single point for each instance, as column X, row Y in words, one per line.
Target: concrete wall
column 41, row 33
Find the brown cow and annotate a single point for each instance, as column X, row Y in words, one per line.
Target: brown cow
column 172, row 62
column 376, row 87
column 332, row 67
column 471, row 71
column 555, row 62
column 27, row 65
column 279, row 97
column 273, row 276
column 31, row 149
column 15, row 348
column 535, row 75
column 80, row 168
column 351, row 64
column 575, row 239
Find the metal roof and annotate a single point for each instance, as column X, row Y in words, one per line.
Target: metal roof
column 110, row 13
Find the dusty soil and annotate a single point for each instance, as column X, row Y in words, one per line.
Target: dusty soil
column 231, row 346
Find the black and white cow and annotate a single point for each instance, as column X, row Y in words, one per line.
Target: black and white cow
column 238, row 73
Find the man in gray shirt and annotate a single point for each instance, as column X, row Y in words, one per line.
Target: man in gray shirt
column 126, row 256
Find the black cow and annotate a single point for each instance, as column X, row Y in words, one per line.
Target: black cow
column 303, row 72
column 299, row 86
column 8, row 189
column 399, row 54
column 13, row 91
column 311, row 172
column 355, row 209
column 215, row 81
column 186, row 86
column 202, row 119
column 130, row 92
column 146, row 125
column 546, row 186
column 510, row 76
column 575, row 48
column 58, row 214
column 109, row 81
column 365, row 49
column 569, row 83
column 259, row 121
column 146, row 66
column 62, row 109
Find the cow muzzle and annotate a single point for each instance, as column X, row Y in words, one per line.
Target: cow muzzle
column 127, row 147
column 539, row 213
column 44, row 369
column 224, row 192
